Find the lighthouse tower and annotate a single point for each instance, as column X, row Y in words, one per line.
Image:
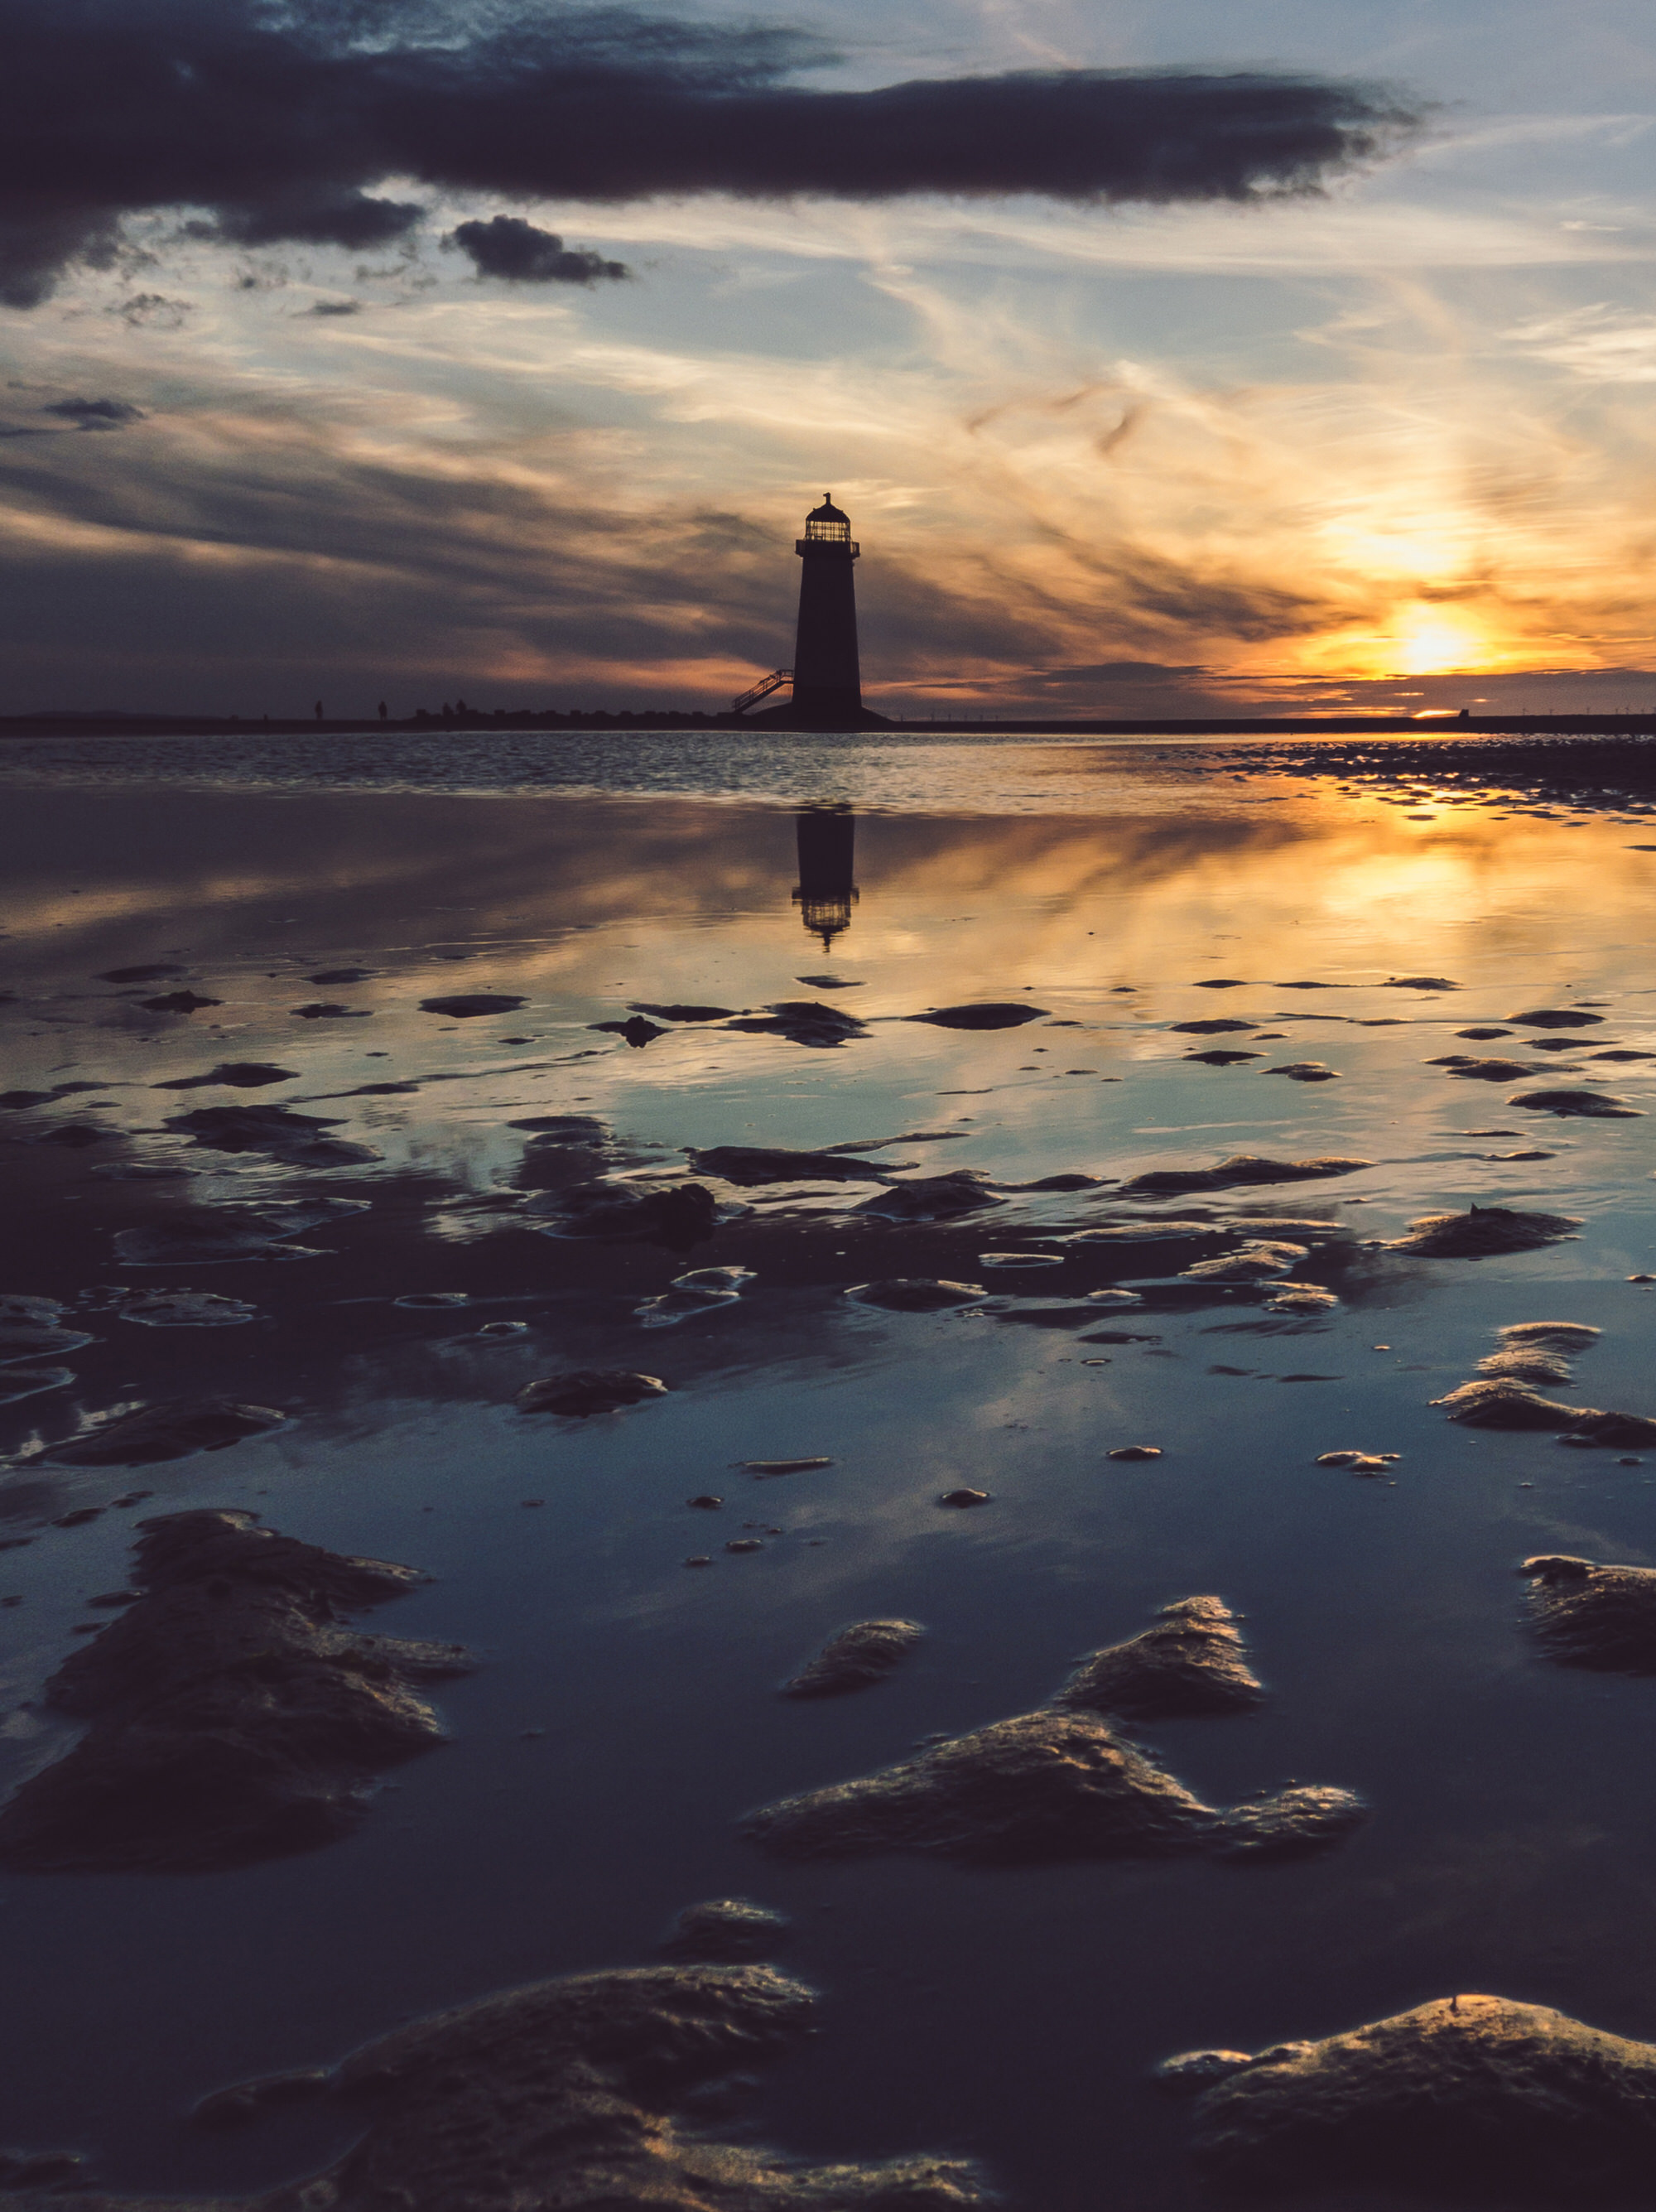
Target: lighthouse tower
column 828, row 684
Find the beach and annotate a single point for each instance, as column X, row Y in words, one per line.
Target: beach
column 471, row 1020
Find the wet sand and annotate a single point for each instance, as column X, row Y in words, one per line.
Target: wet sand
column 427, row 1211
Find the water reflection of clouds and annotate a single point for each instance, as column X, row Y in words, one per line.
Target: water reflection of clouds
column 653, row 1683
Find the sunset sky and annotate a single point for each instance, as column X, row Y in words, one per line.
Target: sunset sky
column 1309, row 357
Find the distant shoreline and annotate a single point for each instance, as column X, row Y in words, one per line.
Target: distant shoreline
column 1435, row 732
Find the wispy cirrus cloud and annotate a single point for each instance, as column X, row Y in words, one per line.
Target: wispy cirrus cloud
column 1605, row 344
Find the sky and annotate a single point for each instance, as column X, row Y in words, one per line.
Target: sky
column 1166, row 355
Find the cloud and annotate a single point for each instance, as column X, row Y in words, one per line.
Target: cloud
column 144, row 308
column 248, row 555
column 1604, row 345
column 1124, row 671
column 337, row 307
column 96, row 413
column 313, row 218
column 279, row 118
column 508, row 247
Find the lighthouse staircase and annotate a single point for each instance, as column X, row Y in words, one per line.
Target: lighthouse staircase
column 762, row 690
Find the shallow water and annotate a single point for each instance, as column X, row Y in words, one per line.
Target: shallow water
column 1011, row 2016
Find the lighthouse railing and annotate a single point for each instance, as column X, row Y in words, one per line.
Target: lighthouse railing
column 762, row 690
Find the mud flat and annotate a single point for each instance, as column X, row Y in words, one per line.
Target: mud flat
column 998, row 1323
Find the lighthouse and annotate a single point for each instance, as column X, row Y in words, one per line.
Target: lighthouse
column 826, row 675
column 827, row 684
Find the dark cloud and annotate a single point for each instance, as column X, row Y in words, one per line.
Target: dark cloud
column 1124, row 671
column 337, row 308
column 431, row 579
column 1195, row 597
column 141, row 308
column 279, row 121
column 96, row 413
column 508, row 247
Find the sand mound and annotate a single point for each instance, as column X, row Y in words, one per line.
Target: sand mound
column 468, row 1005
column 803, row 1021
column 569, row 2093
column 991, row 1014
column 589, row 1390
column 1527, row 1363
column 1469, row 1069
column 1251, row 1263
column 172, row 1429
column 677, row 1216
column 1589, row 1105
column 1190, row 1662
column 751, row 1164
column 1586, row 1616
column 864, row 1653
column 276, row 1130
column 1465, row 2097
column 932, row 1198
column 1482, row 1232
column 915, row 1294
column 1499, row 1403
column 233, row 1718
column 1567, row 1335
column 635, row 1030
column 726, row 1931
column 1241, row 1167
column 237, row 1075
column 1502, row 1403
column 1042, row 1786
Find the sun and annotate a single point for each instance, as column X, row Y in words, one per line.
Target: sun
column 1428, row 642
column 1420, row 638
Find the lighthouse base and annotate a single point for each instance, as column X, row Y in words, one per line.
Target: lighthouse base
column 821, row 708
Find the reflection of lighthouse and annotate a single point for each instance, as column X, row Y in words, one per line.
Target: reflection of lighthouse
column 825, row 893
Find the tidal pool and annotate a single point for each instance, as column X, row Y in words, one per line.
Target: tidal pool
column 688, row 946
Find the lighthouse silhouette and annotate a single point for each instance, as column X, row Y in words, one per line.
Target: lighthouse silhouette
column 827, row 683
column 826, row 674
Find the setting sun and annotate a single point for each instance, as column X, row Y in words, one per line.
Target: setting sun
column 1429, row 642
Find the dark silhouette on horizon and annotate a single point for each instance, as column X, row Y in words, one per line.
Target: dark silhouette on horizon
column 825, row 891
column 827, row 672
column 828, row 680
